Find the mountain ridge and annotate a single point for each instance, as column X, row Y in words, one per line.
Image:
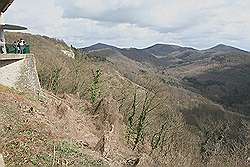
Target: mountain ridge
column 225, row 48
column 165, row 55
column 174, row 46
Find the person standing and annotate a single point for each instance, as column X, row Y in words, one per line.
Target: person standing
column 18, row 47
column 22, row 46
column 2, row 47
column 15, row 47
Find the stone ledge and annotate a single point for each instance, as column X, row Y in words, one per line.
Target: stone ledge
column 4, row 57
column 19, row 71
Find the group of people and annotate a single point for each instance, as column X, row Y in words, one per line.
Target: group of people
column 19, row 46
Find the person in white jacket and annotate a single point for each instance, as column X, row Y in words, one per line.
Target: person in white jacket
column 22, row 46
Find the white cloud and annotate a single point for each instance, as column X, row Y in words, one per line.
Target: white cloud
column 137, row 23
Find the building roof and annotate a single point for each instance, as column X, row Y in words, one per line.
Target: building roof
column 4, row 4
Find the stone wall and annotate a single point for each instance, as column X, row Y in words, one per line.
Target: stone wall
column 19, row 72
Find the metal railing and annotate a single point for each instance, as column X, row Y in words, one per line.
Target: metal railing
column 11, row 49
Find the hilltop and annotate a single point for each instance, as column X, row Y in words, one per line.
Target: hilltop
column 168, row 55
column 109, row 106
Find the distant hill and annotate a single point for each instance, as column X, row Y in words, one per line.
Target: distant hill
column 164, row 55
column 138, row 55
column 163, row 50
column 219, row 73
column 98, row 46
column 225, row 49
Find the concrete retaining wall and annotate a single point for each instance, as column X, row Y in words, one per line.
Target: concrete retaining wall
column 19, row 71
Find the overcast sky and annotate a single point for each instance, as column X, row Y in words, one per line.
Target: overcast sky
column 137, row 23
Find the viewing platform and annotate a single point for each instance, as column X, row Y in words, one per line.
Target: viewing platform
column 19, row 71
column 12, row 50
